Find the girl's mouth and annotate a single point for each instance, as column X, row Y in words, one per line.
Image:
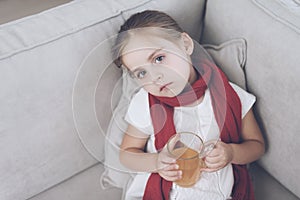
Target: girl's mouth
column 164, row 86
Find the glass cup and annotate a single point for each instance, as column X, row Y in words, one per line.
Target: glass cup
column 186, row 148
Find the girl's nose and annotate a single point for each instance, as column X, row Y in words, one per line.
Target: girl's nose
column 157, row 76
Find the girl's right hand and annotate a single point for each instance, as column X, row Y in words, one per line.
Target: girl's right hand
column 167, row 167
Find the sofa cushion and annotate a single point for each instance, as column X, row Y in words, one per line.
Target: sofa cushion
column 272, row 33
column 84, row 185
column 49, row 127
column 266, row 187
column 229, row 56
column 285, row 11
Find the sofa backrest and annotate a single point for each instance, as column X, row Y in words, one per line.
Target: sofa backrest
column 272, row 32
column 49, row 129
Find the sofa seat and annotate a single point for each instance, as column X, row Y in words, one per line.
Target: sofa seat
column 266, row 187
column 84, row 185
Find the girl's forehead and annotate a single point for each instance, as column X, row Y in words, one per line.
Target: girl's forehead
column 146, row 42
column 141, row 47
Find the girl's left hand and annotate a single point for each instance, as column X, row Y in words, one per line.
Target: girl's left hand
column 219, row 157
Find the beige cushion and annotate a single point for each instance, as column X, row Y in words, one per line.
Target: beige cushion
column 116, row 175
column 231, row 57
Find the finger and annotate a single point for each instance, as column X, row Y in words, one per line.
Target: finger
column 171, row 175
column 174, row 178
column 213, row 159
column 171, row 167
column 215, row 152
column 168, row 167
column 215, row 166
column 209, row 169
column 168, row 160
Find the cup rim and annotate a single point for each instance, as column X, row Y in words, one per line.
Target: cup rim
column 185, row 132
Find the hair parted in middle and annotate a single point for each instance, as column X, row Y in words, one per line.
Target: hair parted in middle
column 145, row 21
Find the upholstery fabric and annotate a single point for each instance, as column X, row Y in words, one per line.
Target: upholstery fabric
column 231, row 57
column 272, row 72
column 51, row 125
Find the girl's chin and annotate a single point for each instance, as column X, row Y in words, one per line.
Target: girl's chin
column 168, row 94
column 163, row 94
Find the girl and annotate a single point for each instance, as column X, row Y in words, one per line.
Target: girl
column 182, row 90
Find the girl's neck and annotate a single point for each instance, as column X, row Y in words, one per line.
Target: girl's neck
column 193, row 76
column 192, row 79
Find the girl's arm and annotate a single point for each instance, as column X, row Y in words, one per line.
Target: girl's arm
column 133, row 156
column 132, row 153
column 251, row 149
column 253, row 146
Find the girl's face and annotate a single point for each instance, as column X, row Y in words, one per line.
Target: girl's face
column 161, row 67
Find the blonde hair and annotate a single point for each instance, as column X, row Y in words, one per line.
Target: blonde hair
column 148, row 20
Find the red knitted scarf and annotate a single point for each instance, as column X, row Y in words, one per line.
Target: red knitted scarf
column 227, row 109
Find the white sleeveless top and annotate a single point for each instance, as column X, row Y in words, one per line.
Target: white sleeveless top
column 215, row 185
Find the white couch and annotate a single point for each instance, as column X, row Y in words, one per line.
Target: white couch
column 58, row 89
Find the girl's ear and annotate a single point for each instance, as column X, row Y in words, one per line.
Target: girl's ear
column 188, row 43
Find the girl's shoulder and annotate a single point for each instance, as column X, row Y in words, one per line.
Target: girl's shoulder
column 138, row 112
column 243, row 94
column 140, row 98
column 247, row 99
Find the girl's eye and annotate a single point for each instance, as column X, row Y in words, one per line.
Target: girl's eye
column 141, row 74
column 159, row 59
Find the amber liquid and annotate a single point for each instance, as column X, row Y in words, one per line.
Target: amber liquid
column 190, row 164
